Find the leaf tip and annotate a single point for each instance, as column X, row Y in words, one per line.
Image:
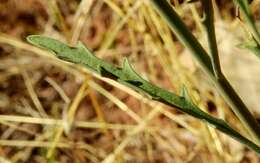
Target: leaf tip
column 252, row 46
column 184, row 93
column 125, row 62
column 33, row 39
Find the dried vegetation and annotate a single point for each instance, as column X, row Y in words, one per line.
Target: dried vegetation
column 52, row 111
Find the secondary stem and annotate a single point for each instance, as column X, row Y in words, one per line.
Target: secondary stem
column 229, row 94
column 210, row 29
column 248, row 16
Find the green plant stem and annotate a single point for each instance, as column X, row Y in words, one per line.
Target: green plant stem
column 211, row 35
column 249, row 19
column 222, row 82
column 229, row 94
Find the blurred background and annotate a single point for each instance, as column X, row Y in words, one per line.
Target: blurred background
column 52, row 111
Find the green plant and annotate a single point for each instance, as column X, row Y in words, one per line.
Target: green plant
column 253, row 45
column 209, row 62
column 127, row 76
column 249, row 19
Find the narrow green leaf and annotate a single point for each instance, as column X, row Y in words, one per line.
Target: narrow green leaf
column 126, row 75
column 252, row 46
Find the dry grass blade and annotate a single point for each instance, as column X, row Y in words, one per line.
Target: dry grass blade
column 111, row 157
column 68, row 118
column 59, row 122
column 32, row 93
column 79, row 19
column 58, row 89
